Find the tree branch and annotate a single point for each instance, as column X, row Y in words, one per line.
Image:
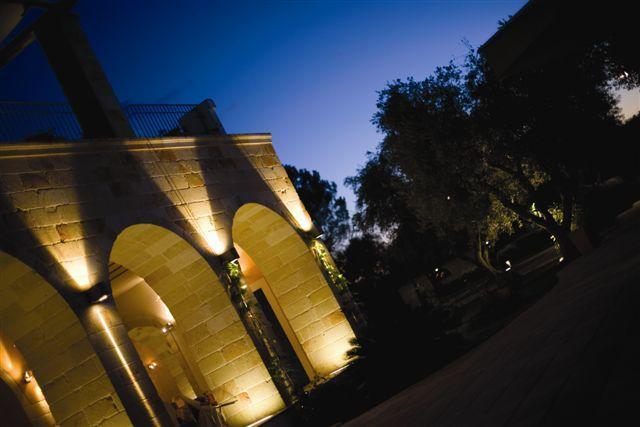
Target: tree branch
column 519, row 177
column 521, row 211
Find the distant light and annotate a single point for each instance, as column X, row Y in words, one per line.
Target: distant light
column 436, row 270
column 448, row 197
column 508, row 265
column 102, row 298
column 28, row 376
column 623, row 76
column 486, row 242
column 152, row 366
column 561, row 259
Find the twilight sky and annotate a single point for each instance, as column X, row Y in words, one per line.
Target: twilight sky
column 305, row 71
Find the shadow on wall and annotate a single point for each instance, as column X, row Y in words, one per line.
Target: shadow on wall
column 63, row 212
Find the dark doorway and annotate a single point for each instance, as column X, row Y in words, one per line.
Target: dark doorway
column 285, row 350
column 11, row 409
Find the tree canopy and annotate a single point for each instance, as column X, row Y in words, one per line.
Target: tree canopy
column 327, row 209
column 464, row 152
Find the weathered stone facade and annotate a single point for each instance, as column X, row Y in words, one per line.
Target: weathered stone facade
column 167, row 211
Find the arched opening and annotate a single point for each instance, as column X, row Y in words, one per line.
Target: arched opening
column 21, row 400
column 279, row 265
column 11, row 406
column 212, row 346
column 147, row 318
column 52, row 345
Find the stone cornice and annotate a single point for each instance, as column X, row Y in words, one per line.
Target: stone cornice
column 38, row 149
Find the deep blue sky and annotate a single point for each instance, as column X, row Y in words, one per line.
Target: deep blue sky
column 307, row 72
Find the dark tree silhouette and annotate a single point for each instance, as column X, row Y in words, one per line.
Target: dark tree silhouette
column 466, row 152
column 320, row 197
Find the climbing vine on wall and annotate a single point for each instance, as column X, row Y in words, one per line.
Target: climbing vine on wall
column 339, row 283
column 235, row 277
column 322, row 254
column 238, row 290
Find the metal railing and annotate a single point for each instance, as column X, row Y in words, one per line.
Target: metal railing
column 153, row 120
column 53, row 121
column 38, row 121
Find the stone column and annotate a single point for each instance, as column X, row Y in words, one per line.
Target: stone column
column 110, row 340
column 338, row 284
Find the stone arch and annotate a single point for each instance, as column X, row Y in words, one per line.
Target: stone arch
column 144, row 314
column 30, row 405
column 216, row 341
column 298, row 288
column 55, row 346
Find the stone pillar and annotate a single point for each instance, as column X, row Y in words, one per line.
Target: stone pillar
column 338, row 284
column 236, row 287
column 82, row 79
column 110, row 340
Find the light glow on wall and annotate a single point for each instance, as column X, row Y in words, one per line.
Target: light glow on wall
column 78, row 270
column 217, row 242
column 301, row 216
column 15, row 372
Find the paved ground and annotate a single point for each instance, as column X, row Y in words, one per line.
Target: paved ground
column 573, row 358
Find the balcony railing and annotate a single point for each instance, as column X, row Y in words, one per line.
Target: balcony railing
column 47, row 121
column 153, row 120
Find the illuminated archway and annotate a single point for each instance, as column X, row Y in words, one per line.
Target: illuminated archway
column 294, row 286
column 145, row 316
column 54, row 345
column 223, row 355
column 30, row 406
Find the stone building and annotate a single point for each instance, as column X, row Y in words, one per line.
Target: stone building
column 104, row 243
column 134, row 270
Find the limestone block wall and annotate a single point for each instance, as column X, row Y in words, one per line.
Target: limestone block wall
column 54, row 344
column 63, row 204
column 218, row 342
column 297, row 282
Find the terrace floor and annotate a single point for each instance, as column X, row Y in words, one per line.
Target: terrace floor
column 573, row 358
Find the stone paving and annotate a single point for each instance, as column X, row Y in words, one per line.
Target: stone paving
column 570, row 359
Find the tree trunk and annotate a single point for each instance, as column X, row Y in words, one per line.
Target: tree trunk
column 568, row 250
column 482, row 257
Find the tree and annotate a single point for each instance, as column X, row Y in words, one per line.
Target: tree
column 319, row 196
column 475, row 155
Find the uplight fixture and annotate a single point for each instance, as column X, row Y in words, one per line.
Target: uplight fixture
column 166, row 328
column 98, row 293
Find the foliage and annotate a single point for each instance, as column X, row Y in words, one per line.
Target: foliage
column 337, row 278
column 320, row 198
column 236, row 278
column 468, row 154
